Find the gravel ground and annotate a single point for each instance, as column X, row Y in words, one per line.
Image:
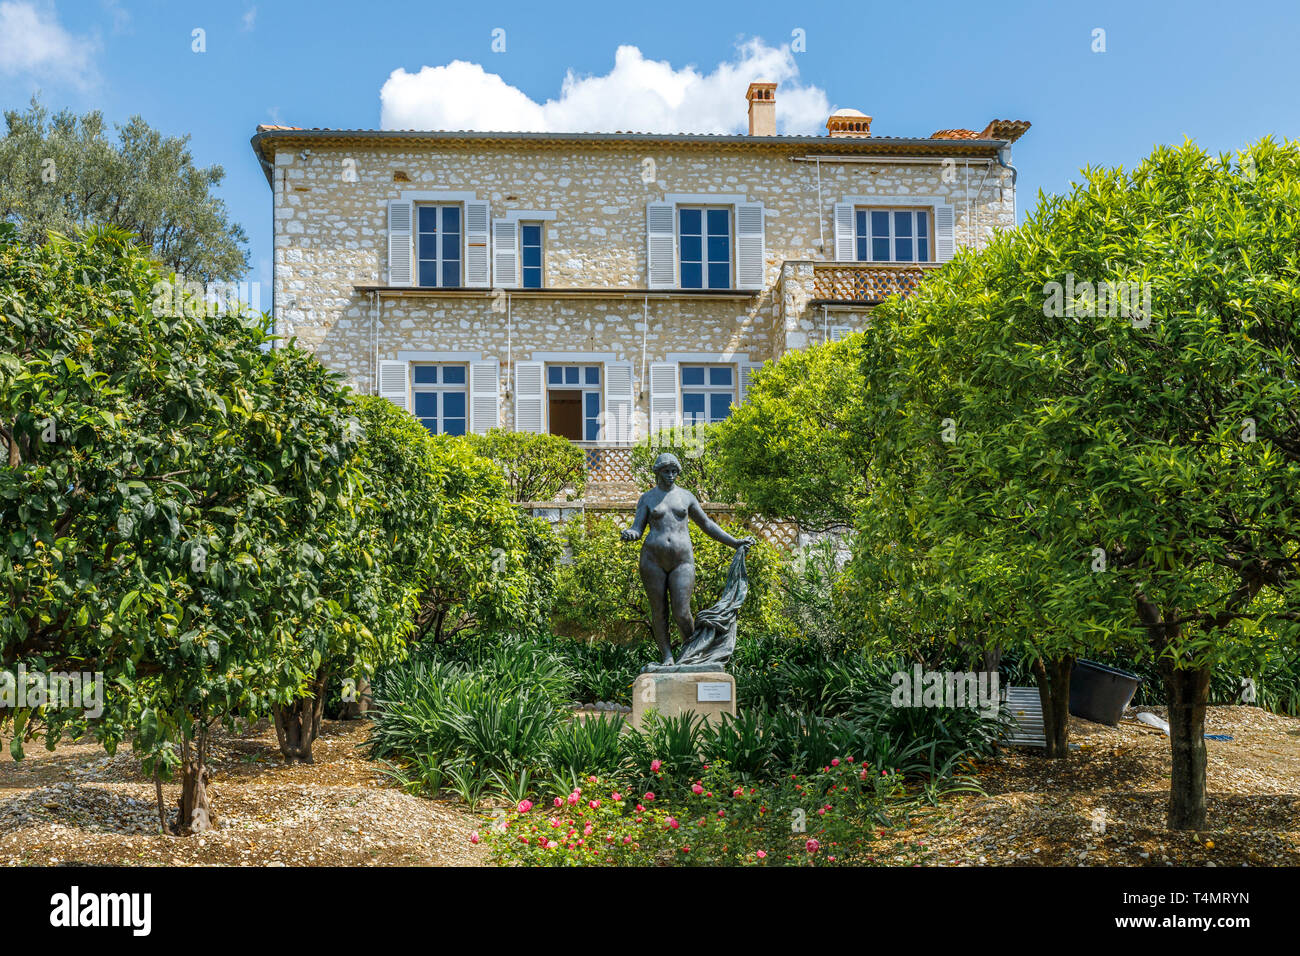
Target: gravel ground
column 1106, row 804
column 79, row 806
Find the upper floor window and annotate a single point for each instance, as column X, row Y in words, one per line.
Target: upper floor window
column 893, row 235
column 573, row 401
column 440, row 397
column 708, row 392
column 438, row 246
column 530, row 254
column 704, row 241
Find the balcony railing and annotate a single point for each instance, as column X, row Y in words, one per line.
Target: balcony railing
column 866, row 281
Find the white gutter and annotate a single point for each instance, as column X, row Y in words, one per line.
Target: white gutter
column 883, row 160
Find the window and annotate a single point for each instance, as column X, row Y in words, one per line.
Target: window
column 704, row 238
column 438, row 246
column 573, row 401
column 439, row 394
column 707, row 393
column 893, row 235
column 530, row 254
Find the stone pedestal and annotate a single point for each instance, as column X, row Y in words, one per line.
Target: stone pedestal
column 705, row 690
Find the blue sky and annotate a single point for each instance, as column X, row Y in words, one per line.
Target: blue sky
column 1221, row 74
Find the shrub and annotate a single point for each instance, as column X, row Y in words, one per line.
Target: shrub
column 827, row 818
column 536, row 467
column 490, row 568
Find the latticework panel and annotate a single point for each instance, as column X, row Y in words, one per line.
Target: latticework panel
column 609, row 464
column 864, row 282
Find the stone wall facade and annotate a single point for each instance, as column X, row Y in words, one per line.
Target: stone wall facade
column 330, row 273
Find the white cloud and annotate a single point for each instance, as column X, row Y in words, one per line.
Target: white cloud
column 33, row 43
column 636, row 95
column 250, row 19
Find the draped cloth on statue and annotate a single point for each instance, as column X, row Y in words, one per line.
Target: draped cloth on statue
column 714, row 639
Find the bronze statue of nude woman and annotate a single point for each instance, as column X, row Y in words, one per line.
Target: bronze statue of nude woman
column 667, row 559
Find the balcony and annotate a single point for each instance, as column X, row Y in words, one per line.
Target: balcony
column 865, row 282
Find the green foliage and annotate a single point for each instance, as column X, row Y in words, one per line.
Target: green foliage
column 696, row 448
column 795, row 449
column 482, row 715
column 1107, row 486
column 604, row 670
column 1083, row 438
column 169, row 496
column 599, row 593
column 536, row 467
column 63, row 172
column 491, row 568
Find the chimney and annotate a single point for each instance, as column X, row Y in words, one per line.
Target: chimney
column 762, row 109
column 848, row 123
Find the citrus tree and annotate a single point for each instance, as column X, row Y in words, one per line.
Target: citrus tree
column 1092, row 425
column 164, row 500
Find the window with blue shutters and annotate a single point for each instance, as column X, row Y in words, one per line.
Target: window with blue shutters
column 708, row 392
column 440, row 397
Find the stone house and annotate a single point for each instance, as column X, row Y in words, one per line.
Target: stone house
column 602, row 285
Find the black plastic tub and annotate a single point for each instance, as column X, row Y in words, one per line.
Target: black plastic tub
column 1100, row 693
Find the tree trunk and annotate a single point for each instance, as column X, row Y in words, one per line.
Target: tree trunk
column 162, row 809
column 1188, row 692
column 991, row 661
column 297, row 725
column 196, row 814
column 1053, row 677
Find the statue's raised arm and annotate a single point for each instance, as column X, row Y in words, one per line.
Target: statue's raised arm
column 711, row 528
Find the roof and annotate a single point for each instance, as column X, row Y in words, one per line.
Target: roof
column 996, row 136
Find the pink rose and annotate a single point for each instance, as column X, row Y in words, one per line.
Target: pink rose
column 696, row 788
column 835, row 761
column 524, row 806
column 650, row 795
column 616, row 795
column 473, row 838
column 672, row 823
column 813, row 846
column 761, row 854
column 655, row 765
